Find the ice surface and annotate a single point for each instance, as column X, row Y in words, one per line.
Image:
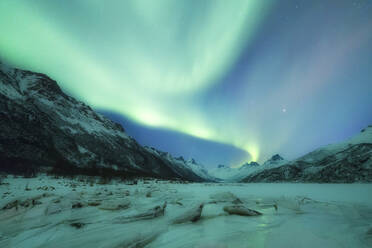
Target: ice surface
column 46, row 212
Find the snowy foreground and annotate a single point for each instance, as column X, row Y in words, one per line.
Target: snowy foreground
column 45, row 212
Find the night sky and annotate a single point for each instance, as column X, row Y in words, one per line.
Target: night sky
column 221, row 81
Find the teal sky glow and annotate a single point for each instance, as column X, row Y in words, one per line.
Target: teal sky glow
column 245, row 73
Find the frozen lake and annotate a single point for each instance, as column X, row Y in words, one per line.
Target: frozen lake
column 45, row 212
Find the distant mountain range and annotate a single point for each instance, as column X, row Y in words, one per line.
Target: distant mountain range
column 349, row 161
column 345, row 162
column 44, row 129
column 229, row 174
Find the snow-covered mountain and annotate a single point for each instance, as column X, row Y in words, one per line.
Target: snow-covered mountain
column 199, row 170
column 275, row 160
column 249, row 165
column 230, row 174
column 223, row 172
column 180, row 162
column 348, row 161
column 42, row 128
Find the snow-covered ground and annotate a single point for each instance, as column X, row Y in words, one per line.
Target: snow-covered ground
column 46, row 212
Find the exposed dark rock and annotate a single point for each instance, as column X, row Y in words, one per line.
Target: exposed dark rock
column 10, row 205
column 237, row 201
column 25, row 203
column 94, row 203
column 149, row 214
column 275, row 160
column 249, row 165
column 77, row 225
column 241, row 210
column 193, row 161
column 192, row 215
column 276, row 157
column 115, row 205
column 77, row 205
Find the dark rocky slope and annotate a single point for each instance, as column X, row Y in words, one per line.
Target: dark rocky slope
column 42, row 128
column 346, row 162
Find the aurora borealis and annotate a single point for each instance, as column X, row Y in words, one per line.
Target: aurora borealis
column 262, row 76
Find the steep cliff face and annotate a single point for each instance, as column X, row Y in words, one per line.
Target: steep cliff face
column 41, row 127
column 349, row 161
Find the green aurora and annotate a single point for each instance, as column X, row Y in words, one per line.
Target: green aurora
column 253, row 74
column 144, row 67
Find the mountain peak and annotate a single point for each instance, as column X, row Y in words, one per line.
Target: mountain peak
column 193, row 161
column 276, row 157
column 181, row 159
column 249, row 165
column 275, row 160
column 367, row 128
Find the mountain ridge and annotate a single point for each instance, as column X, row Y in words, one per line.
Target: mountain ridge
column 348, row 161
column 43, row 128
